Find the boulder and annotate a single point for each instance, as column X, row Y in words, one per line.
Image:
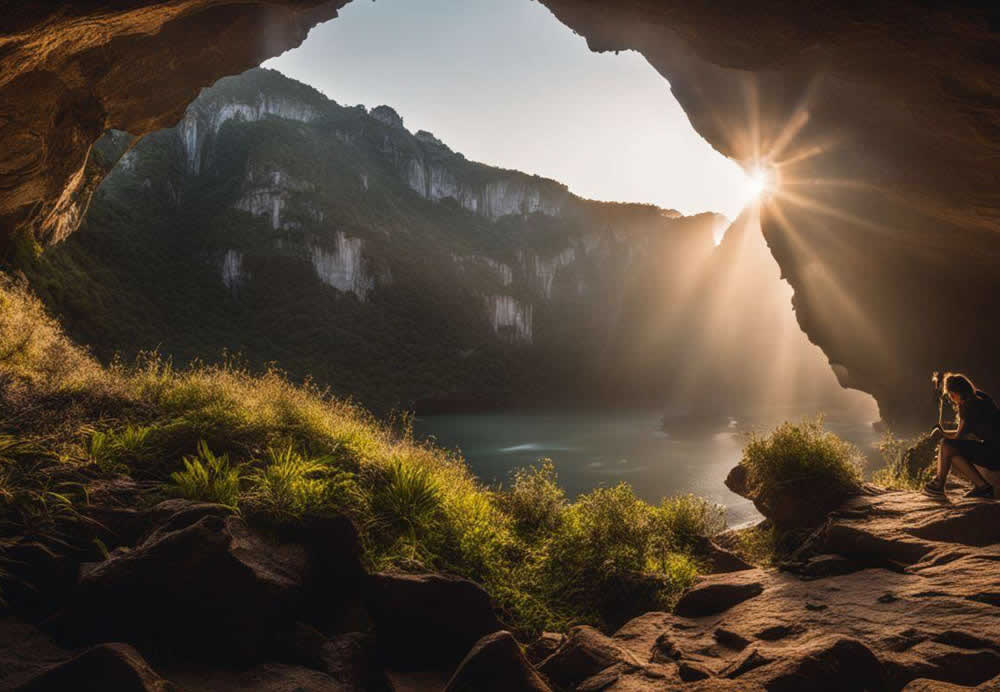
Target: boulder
column 116, row 667
column 717, row 560
column 496, row 664
column 829, row 664
column 25, row 652
column 427, row 620
column 544, row 646
column 803, row 504
column 348, row 658
column 266, row 677
column 585, row 653
column 717, row 593
column 212, row 586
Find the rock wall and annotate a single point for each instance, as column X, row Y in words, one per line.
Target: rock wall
column 511, row 317
column 343, row 267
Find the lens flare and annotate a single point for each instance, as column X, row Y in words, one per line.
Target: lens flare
column 759, row 182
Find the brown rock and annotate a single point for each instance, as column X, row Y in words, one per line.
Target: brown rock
column 585, row 653
column 717, row 593
column 830, row 664
column 544, row 646
column 427, row 620
column 269, row 677
column 496, row 664
column 717, row 560
column 213, row 586
column 104, row 667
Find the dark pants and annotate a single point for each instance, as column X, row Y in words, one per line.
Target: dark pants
column 985, row 454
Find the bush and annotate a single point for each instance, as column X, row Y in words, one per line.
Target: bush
column 683, row 522
column 535, row 501
column 908, row 463
column 798, row 472
column 208, row 478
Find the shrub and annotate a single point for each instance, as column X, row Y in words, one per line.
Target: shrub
column 799, row 472
column 759, row 545
column 535, row 501
column 682, row 522
column 208, row 478
column 908, row 463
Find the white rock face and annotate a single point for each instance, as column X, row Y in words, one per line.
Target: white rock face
column 343, row 268
column 415, row 177
column 502, row 271
column 232, row 269
column 188, row 131
column 501, row 198
column 202, row 120
column 266, row 193
column 545, row 269
column 510, row 317
column 505, row 197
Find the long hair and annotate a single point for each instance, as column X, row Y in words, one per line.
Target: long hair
column 956, row 382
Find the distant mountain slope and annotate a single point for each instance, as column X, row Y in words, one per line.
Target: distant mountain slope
column 274, row 223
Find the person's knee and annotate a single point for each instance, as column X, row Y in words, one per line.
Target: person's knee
column 948, row 448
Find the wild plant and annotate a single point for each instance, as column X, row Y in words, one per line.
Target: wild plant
column 208, row 478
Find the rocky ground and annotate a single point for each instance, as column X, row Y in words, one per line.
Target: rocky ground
column 894, row 591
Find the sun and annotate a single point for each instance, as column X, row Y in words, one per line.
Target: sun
column 759, row 181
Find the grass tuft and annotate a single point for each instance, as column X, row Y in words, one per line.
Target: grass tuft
column 208, row 478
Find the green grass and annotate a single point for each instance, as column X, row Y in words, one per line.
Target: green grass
column 207, row 478
column 279, row 452
column 908, row 463
column 800, row 458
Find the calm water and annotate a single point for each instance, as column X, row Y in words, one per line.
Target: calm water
column 591, row 449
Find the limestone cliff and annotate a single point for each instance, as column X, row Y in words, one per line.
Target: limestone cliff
column 276, row 223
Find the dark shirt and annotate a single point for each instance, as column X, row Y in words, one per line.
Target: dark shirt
column 979, row 416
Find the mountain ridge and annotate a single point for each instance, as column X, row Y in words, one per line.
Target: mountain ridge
column 275, row 223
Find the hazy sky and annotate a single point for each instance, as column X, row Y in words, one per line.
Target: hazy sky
column 505, row 83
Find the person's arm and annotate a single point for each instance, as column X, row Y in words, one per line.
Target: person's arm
column 957, row 434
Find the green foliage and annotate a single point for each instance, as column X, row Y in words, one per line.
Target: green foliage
column 687, row 519
column 759, row 545
column 798, row 455
column 280, row 452
column 407, row 500
column 535, row 501
column 291, row 486
column 115, row 451
column 908, row 463
column 208, row 478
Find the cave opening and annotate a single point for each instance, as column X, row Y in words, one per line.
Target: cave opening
column 510, row 85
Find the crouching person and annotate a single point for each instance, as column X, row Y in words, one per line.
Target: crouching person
column 973, row 450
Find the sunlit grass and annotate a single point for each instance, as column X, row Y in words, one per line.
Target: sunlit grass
column 278, row 453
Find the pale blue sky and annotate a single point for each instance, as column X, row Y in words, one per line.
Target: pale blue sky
column 505, row 83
